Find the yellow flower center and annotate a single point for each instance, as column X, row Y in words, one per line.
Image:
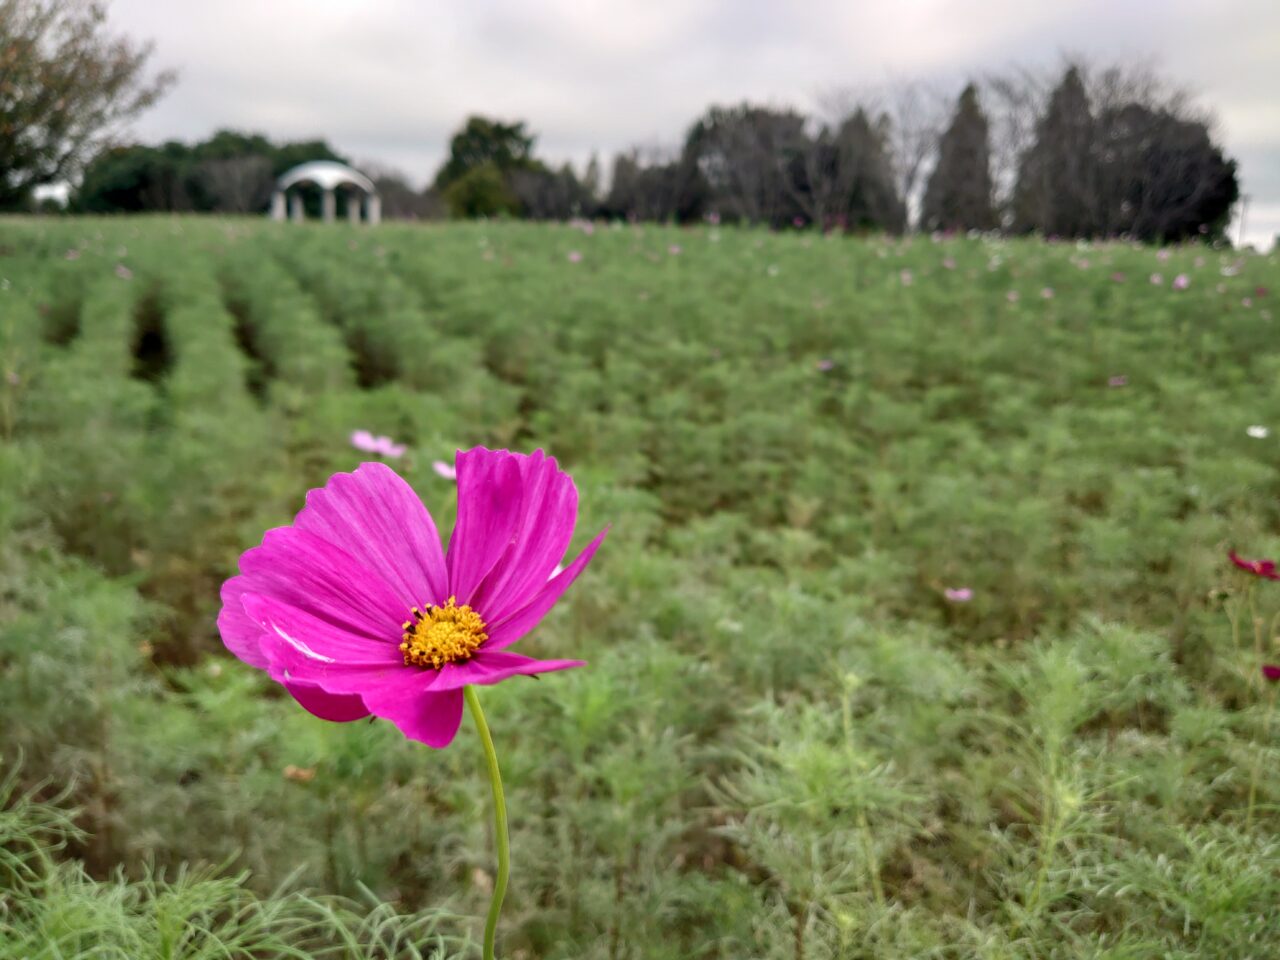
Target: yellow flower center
column 448, row 634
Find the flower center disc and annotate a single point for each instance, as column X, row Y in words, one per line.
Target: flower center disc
column 448, row 634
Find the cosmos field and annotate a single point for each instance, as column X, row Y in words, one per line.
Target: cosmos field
column 915, row 634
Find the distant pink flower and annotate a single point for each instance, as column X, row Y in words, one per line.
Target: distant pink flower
column 1259, row 291
column 907, row 278
column 1118, row 381
column 674, row 250
column 356, row 610
column 365, row 441
column 1157, row 279
column 713, row 218
column 825, row 364
column 1117, row 277
column 1181, row 282
column 73, row 254
column 1247, row 302
column 958, row 594
column 1012, row 296
column 1047, row 293
column 444, row 470
column 1162, row 255
column 1271, row 672
column 797, row 222
column 11, row 377
column 575, row 256
column 948, row 263
column 123, row 272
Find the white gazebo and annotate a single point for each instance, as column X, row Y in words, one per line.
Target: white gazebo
column 329, row 177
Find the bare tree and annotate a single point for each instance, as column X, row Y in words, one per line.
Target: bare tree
column 237, row 184
column 912, row 116
column 66, row 86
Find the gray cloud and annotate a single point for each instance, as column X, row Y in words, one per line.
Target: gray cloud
column 389, row 80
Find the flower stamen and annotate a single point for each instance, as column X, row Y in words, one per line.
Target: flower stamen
column 440, row 635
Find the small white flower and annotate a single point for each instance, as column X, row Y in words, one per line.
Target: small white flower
column 1258, row 432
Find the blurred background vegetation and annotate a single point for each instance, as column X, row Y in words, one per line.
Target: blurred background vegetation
column 789, row 741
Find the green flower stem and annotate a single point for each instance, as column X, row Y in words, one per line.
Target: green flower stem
column 499, row 823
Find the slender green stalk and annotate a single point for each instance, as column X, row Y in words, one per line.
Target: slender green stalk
column 501, row 838
column 1257, row 760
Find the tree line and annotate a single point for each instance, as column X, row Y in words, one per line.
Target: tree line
column 1087, row 151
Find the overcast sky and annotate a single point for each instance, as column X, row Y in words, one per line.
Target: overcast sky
column 389, row 80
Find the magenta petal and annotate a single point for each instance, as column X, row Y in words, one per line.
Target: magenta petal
column 489, row 668
column 337, row 708
column 375, row 516
column 489, row 487
column 430, row 718
column 239, row 632
column 315, row 639
column 312, row 574
column 548, row 513
column 508, row 631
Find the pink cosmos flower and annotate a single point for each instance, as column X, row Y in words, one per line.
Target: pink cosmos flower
column 1181, row 282
column 674, row 250
column 907, row 278
column 958, row 594
column 366, row 442
column 73, row 254
column 1047, row 293
column 1118, row 381
column 1012, row 296
column 356, row 610
column 948, row 263
column 1259, row 568
column 444, row 470
column 1117, row 277
column 123, row 272
column 1162, row 255
column 1271, row 672
column 825, row 364
column 1157, row 279
column 797, row 222
column 575, row 256
column 1247, row 302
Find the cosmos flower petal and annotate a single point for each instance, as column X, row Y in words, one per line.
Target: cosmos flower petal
column 336, row 707
column 508, row 631
column 239, row 632
column 375, row 516
column 430, row 718
column 489, row 502
column 301, row 569
column 287, row 628
column 488, row 667
column 548, row 514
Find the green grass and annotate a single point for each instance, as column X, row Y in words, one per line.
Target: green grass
column 788, row 742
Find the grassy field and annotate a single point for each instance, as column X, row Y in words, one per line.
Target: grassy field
column 915, row 635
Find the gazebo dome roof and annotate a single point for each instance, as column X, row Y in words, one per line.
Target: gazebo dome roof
column 325, row 174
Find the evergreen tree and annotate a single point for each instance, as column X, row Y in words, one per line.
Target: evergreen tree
column 959, row 193
column 1057, row 185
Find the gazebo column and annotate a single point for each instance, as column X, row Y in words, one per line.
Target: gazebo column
column 353, row 207
column 329, row 206
column 277, row 205
column 296, row 212
column 373, row 208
